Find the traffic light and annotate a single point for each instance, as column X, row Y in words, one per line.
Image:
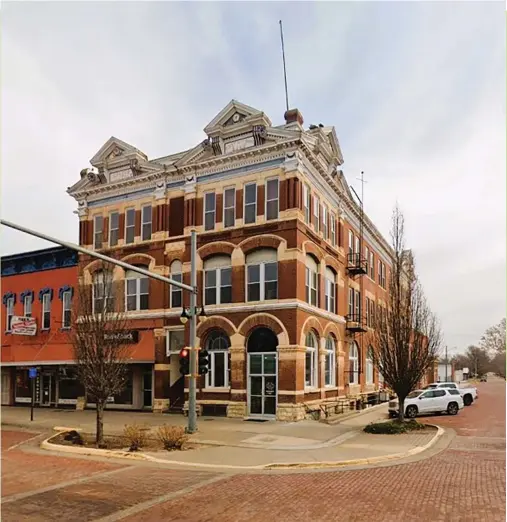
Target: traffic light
column 203, row 362
column 184, row 362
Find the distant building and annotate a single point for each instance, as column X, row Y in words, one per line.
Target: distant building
column 445, row 372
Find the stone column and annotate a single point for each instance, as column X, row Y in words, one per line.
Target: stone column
column 322, row 367
column 291, row 382
column 238, row 406
column 161, row 369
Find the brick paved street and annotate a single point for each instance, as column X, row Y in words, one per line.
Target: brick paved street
column 465, row 482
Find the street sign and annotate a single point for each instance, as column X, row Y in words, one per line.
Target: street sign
column 32, row 373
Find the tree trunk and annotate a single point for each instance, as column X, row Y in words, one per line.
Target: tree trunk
column 401, row 413
column 99, row 439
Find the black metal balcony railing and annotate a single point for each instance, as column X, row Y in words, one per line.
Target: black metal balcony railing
column 356, row 264
column 355, row 323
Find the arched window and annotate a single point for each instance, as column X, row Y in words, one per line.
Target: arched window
column 369, row 366
column 217, row 280
column 311, row 360
column 312, row 281
column 262, row 275
column 136, row 291
column 218, row 344
column 330, row 374
column 330, row 290
column 176, row 299
column 262, row 340
column 102, row 301
column 354, row 363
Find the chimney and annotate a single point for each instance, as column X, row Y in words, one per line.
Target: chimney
column 293, row 115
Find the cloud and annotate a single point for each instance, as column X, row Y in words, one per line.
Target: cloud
column 415, row 91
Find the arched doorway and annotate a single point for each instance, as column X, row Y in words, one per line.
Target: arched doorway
column 262, row 372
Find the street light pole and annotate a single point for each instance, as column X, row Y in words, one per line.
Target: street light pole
column 192, row 384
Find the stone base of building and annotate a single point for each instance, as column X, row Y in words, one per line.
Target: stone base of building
column 160, row 405
column 236, row 410
column 290, row 412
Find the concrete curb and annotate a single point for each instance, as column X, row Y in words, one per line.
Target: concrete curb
column 353, row 414
column 95, row 452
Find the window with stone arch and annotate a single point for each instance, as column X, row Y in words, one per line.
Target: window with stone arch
column 354, row 363
column 312, row 281
column 218, row 344
column 262, row 275
column 136, row 290
column 311, row 360
column 176, row 292
column 330, row 367
column 330, row 290
column 369, row 365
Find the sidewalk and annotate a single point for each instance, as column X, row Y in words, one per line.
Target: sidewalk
column 216, row 431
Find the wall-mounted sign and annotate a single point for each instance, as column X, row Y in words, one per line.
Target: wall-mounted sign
column 126, row 337
column 32, row 373
column 118, row 175
column 23, row 325
column 466, row 370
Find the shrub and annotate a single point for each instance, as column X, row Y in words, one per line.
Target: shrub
column 172, row 437
column 393, row 427
column 74, row 437
column 135, row 436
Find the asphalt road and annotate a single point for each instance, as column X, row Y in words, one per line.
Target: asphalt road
column 462, row 482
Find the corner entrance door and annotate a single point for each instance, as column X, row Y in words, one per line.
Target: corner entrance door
column 148, row 389
column 262, row 384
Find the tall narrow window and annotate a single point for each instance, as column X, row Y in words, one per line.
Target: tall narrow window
column 353, row 363
column 209, row 211
column 367, row 259
column 316, row 213
column 176, row 297
column 311, row 360
column 114, row 228
column 130, row 225
column 229, row 207
column 333, row 229
column 329, row 372
column 372, row 266
column 357, row 249
column 250, row 203
column 330, row 291
column 217, row 280
column 357, row 305
column 367, row 311
column 146, row 222
column 136, row 291
column 325, row 228
column 27, row 306
column 311, row 281
column 351, row 303
column 66, row 309
column 262, row 275
column 103, row 301
column 46, row 311
column 98, row 231
column 272, row 190
column 306, row 203
column 9, row 305
column 218, row 345
column 351, row 243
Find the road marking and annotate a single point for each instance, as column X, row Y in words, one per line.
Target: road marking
column 158, row 500
column 94, row 476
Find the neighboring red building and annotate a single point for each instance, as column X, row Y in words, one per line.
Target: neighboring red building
column 39, row 285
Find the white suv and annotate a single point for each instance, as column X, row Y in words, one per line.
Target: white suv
column 429, row 401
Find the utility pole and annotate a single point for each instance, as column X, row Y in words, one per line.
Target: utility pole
column 446, row 363
column 192, row 413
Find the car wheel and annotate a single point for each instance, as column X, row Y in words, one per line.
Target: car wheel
column 411, row 412
column 452, row 409
column 467, row 400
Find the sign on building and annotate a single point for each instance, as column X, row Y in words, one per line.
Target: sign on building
column 126, row 337
column 23, row 325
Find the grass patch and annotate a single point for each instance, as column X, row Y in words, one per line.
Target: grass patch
column 394, row 427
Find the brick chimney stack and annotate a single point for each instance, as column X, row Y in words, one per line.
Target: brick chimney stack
column 293, row 115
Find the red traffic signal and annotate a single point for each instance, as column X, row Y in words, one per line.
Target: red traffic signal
column 183, row 352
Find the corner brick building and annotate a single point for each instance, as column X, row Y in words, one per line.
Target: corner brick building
column 289, row 284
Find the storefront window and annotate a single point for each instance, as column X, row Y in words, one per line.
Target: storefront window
column 69, row 386
column 125, row 397
column 23, row 389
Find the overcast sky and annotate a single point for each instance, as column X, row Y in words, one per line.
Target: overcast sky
column 416, row 92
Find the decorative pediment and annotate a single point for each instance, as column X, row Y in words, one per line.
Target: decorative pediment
column 116, row 152
column 235, row 114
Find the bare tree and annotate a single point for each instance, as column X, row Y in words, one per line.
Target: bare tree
column 493, row 340
column 407, row 335
column 478, row 360
column 100, row 339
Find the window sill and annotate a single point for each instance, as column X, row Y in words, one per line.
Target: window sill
column 65, row 329
column 331, row 387
column 45, row 330
column 311, row 389
column 217, row 390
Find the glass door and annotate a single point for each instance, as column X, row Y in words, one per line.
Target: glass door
column 262, row 384
column 46, row 390
column 147, row 389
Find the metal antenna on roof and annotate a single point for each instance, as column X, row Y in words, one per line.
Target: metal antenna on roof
column 284, row 67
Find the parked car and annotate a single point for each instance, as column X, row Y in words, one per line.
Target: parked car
column 484, row 378
column 444, row 400
column 469, row 393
